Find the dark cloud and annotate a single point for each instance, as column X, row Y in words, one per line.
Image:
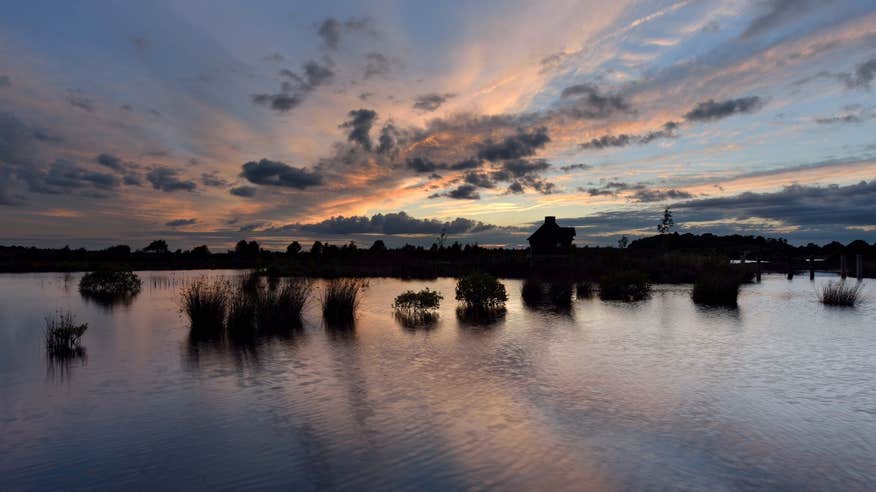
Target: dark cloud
column 423, row 165
column 278, row 102
column 132, row 180
column 251, row 227
column 523, row 144
column 213, row 179
column 399, row 223
column 180, row 222
column 272, row 173
column 660, row 195
column 128, row 170
column 481, row 180
column 431, row 102
column 76, row 99
column 463, row 192
column 586, row 102
column 712, row 110
column 243, row 191
column 167, row 179
column 668, row 130
column 377, row 64
column 776, row 13
column 576, row 167
column 112, row 162
column 846, row 118
column 359, row 123
column 21, row 143
column 388, row 140
column 330, row 30
column 5, row 81
column 862, row 77
column 612, row 188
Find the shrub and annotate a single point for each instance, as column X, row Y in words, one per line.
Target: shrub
column 416, row 320
column 717, row 287
column 63, row 335
column 110, row 283
column 281, row 306
column 584, row 289
column 532, row 292
column 481, row 290
column 624, row 286
column 423, row 300
column 840, row 294
column 205, row 302
column 341, row 298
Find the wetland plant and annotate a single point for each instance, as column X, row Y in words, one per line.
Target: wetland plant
column 341, row 299
column 624, row 286
column 481, row 291
column 840, row 293
column 110, row 284
column 64, row 335
column 716, row 287
column 205, row 303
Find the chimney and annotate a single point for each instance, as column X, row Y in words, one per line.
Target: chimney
column 550, row 219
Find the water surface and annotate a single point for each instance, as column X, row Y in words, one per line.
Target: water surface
column 780, row 394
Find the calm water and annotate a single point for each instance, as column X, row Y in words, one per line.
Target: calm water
column 661, row 394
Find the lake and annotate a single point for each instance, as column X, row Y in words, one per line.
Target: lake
column 659, row 394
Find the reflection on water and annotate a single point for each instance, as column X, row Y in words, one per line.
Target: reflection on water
column 547, row 394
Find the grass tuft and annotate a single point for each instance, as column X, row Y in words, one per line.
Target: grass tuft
column 840, row 294
column 280, row 307
column 205, row 302
column 64, row 335
column 340, row 299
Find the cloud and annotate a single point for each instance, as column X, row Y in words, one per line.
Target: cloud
column 622, row 140
column 294, row 91
column 395, row 223
column 167, row 179
column 431, row 102
column 862, row 77
column 76, row 99
column 243, row 191
column 330, row 30
column 711, row 110
column 5, row 81
column 180, row 222
column 213, row 179
column 250, row 227
column 21, row 143
column 273, row 173
column 278, row 102
column 463, row 192
column 523, row 144
column 585, row 101
column 111, row 161
column 359, row 123
column 576, row 167
column 377, row 64
column 777, row 12
column 845, row 118
column 660, row 195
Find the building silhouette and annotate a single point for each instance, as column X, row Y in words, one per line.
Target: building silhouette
column 550, row 241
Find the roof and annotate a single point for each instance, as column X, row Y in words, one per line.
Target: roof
column 551, row 230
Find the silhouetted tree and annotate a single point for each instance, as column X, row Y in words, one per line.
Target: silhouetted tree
column 623, row 242
column 158, row 246
column 378, row 246
column 316, row 249
column 293, row 249
column 200, row 251
column 666, row 223
column 247, row 249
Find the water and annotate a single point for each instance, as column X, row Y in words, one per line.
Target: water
column 660, row 394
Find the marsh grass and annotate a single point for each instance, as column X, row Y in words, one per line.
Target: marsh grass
column 481, row 291
column 841, row 293
column 340, row 299
column 63, row 335
column 110, row 284
column 205, row 302
column 717, row 287
column 584, row 289
column 624, row 286
column 241, row 313
column 280, row 307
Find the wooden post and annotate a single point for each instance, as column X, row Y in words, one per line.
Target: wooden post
column 757, row 270
column 859, row 259
column 790, row 269
column 843, row 270
column 811, row 268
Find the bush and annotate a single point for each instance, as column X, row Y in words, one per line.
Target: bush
column 624, row 286
column 840, row 294
column 110, row 283
column 63, row 335
column 205, row 302
column 423, row 300
column 717, row 287
column 481, row 290
column 341, row 298
column 560, row 293
column 281, row 306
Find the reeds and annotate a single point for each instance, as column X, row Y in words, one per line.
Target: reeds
column 717, row 287
column 624, row 286
column 205, row 302
column 64, row 335
column 340, row 299
column 840, row 293
column 281, row 306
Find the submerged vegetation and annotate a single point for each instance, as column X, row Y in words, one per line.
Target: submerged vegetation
column 624, row 286
column 481, row 291
column 64, row 335
column 110, row 284
column 840, row 293
column 340, row 299
column 423, row 300
column 718, row 286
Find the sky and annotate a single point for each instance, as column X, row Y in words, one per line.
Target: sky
column 206, row 122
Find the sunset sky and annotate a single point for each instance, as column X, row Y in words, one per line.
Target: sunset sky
column 204, row 122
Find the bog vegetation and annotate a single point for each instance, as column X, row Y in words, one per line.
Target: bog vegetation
column 64, row 335
column 717, row 286
column 481, row 291
column 840, row 293
column 110, row 284
column 624, row 286
column 340, row 299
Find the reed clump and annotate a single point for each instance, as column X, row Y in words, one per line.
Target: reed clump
column 110, row 284
column 624, row 286
column 717, row 287
column 341, row 297
column 64, row 335
column 840, row 293
column 205, row 302
column 281, row 306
